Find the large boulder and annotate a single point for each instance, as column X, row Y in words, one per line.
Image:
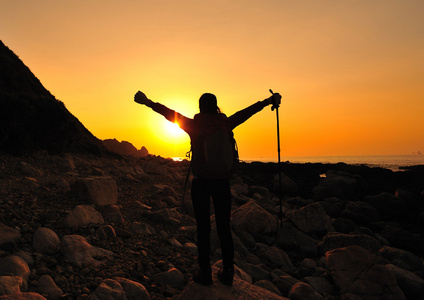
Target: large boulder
column 360, row 212
column 402, row 238
column 411, row 284
column 165, row 216
column 402, row 258
column 275, row 258
column 240, row 290
column 108, row 289
column 133, row 290
column 100, row 190
column 120, row 288
column 46, row 285
column 46, row 241
column 343, row 225
column 336, row 184
column 301, row 291
column 83, row 215
column 284, row 283
column 106, row 232
column 10, row 285
column 321, row 285
column 288, row 185
column 356, row 273
column 155, row 167
column 311, row 219
column 253, row 219
column 78, row 251
column 260, row 191
column 268, row 285
column 292, row 239
column 165, row 190
column 387, row 204
column 13, row 265
column 336, row 240
column 113, row 214
column 172, row 277
column 257, row 271
column 8, row 235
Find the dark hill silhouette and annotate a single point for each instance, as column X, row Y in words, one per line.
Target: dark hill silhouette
column 124, row 148
column 32, row 119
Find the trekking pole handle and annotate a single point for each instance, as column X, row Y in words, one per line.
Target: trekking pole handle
column 274, row 105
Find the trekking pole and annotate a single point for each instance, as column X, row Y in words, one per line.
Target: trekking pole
column 280, row 214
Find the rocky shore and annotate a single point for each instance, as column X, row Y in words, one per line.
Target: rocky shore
column 101, row 227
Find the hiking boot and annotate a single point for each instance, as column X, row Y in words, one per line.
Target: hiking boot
column 204, row 276
column 225, row 275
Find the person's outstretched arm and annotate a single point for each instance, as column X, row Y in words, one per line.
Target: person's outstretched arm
column 171, row 115
column 244, row 114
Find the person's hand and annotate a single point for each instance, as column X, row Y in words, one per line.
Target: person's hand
column 141, row 98
column 275, row 100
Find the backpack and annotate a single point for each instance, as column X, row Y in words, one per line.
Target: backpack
column 214, row 149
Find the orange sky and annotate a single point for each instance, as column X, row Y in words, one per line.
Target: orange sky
column 351, row 72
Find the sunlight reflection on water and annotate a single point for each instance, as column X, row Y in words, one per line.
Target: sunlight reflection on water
column 392, row 162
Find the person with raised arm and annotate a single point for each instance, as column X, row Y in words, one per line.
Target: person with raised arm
column 211, row 139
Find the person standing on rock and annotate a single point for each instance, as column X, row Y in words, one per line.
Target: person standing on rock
column 211, row 138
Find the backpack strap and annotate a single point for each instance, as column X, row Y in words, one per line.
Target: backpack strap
column 188, row 155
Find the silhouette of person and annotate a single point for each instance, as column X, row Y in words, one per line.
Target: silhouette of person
column 204, row 188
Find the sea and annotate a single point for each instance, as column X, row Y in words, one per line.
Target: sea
column 392, row 162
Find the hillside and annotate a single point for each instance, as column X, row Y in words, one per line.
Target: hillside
column 32, row 119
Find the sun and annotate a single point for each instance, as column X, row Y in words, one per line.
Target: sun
column 174, row 130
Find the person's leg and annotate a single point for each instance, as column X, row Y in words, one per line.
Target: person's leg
column 221, row 195
column 201, row 205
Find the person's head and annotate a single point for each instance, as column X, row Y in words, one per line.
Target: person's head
column 208, row 104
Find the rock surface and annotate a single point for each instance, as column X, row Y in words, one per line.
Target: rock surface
column 140, row 242
column 83, row 215
column 76, row 250
column 46, row 241
column 239, row 290
column 13, row 265
column 98, row 190
column 8, row 236
column 356, row 272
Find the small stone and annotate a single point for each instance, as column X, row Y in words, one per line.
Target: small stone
column 10, row 285
column 172, row 277
column 105, row 233
column 83, row 215
column 46, row 241
column 77, row 250
column 8, row 235
column 15, row 265
column 47, row 286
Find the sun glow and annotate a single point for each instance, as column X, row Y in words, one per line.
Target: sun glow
column 345, row 71
column 173, row 130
